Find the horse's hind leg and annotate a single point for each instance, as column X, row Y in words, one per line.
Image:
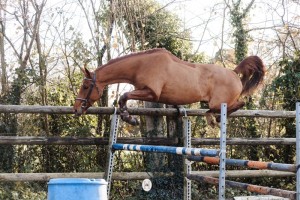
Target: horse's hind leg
column 236, row 106
column 143, row 95
column 211, row 118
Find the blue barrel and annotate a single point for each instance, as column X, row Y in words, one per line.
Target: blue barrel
column 77, row 189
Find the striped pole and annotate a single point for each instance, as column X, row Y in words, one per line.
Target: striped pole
column 244, row 186
column 246, row 163
column 166, row 149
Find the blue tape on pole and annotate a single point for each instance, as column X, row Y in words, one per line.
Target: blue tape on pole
column 166, row 149
column 282, row 167
column 236, row 162
column 252, row 164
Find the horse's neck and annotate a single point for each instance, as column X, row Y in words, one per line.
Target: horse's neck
column 117, row 72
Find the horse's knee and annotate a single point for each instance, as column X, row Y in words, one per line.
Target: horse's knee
column 122, row 101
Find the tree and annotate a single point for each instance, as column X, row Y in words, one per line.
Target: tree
column 287, row 89
column 100, row 24
column 29, row 27
column 4, row 86
column 241, row 37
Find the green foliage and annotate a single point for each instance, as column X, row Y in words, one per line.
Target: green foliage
column 21, row 191
column 159, row 28
column 286, row 87
column 249, row 126
column 240, row 34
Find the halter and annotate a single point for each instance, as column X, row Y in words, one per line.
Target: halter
column 85, row 100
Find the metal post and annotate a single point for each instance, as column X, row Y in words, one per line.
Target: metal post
column 187, row 163
column 298, row 149
column 110, row 157
column 222, row 152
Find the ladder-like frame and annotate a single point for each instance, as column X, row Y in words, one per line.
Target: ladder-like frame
column 187, row 145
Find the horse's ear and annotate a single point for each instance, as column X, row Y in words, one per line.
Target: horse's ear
column 86, row 72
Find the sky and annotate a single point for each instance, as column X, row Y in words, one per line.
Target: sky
column 263, row 14
column 204, row 20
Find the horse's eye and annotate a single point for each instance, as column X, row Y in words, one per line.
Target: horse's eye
column 85, row 87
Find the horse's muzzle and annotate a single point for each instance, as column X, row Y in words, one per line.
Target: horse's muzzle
column 78, row 112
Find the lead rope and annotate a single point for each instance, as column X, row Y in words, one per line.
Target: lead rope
column 110, row 157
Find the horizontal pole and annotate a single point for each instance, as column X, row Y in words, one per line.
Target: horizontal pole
column 28, row 177
column 244, row 186
column 246, row 163
column 72, row 140
column 34, row 109
column 245, row 141
column 166, row 149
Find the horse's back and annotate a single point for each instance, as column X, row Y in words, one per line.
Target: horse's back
column 175, row 82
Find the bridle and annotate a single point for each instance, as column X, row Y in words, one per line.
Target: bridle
column 85, row 100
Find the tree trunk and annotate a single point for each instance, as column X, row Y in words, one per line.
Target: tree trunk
column 4, row 86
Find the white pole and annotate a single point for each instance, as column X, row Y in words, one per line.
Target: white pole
column 222, row 152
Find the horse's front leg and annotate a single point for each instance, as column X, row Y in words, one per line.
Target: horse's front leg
column 124, row 112
column 143, row 95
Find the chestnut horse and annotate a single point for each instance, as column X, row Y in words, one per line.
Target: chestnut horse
column 159, row 76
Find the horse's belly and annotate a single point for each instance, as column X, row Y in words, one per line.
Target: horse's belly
column 181, row 98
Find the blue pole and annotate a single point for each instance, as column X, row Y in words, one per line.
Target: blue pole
column 166, row 149
column 246, row 163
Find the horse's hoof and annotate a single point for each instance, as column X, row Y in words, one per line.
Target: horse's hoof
column 123, row 109
column 129, row 119
column 133, row 121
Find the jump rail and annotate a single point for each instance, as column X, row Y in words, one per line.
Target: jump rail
column 125, row 176
column 260, row 165
column 244, row 186
column 73, row 140
column 34, row 109
column 166, row 149
column 246, row 163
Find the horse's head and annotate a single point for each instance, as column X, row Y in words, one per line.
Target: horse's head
column 88, row 93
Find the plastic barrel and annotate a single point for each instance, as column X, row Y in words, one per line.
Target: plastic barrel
column 77, row 189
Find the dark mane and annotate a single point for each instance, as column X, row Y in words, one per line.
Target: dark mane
column 134, row 54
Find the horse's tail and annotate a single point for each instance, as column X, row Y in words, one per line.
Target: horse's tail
column 252, row 70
